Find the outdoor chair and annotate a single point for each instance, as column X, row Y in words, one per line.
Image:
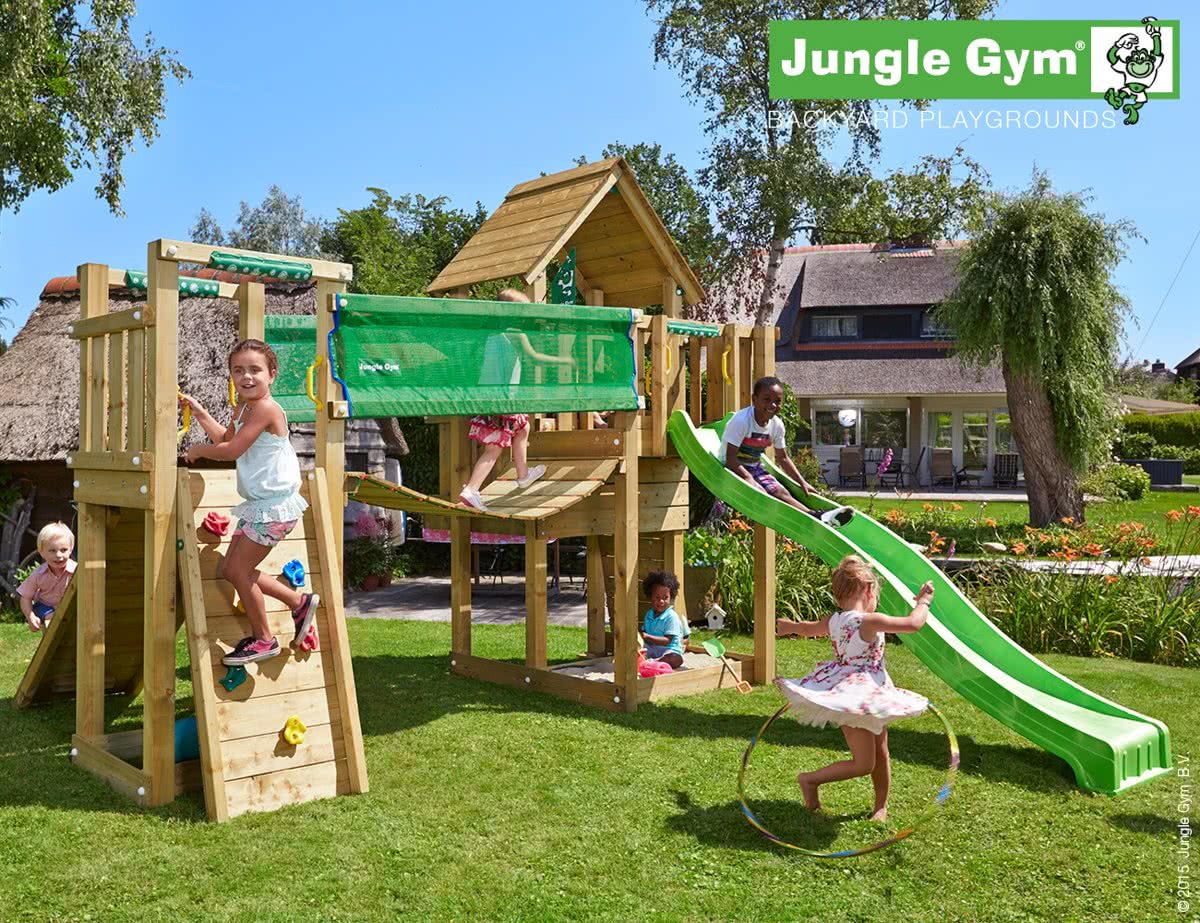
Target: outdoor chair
column 912, row 471
column 1004, row 469
column 942, row 471
column 851, row 469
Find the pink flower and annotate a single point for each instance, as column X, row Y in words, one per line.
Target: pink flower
column 950, row 551
column 885, row 464
column 366, row 526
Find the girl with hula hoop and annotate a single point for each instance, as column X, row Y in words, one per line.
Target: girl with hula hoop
column 854, row 690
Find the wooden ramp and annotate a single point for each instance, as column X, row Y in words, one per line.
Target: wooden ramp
column 246, row 764
column 50, row 676
column 567, row 481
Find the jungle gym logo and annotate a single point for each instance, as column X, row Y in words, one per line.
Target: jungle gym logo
column 1124, row 63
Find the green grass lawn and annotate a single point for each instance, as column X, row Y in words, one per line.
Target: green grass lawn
column 1191, row 479
column 1012, row 517
column 492, row 804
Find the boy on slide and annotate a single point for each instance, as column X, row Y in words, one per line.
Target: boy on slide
column 748, row 434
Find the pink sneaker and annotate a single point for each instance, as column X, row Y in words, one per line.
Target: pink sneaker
column 305, row 615
column 250, row 650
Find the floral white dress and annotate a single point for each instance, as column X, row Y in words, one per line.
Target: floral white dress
column 853, row 689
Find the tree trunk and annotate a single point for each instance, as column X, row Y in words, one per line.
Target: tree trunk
column 766, row 301
column 1050, row 480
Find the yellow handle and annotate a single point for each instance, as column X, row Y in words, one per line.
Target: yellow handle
column 311, row 376
column 187, row 420
column 669, row 351
column 232, row 393
column 725, row 365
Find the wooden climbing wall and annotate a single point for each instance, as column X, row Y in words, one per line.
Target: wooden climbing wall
column 245, row 763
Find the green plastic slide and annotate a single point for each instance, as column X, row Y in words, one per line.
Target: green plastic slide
column 1109, row 747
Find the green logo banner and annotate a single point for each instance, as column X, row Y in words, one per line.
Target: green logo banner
column 1125, row 62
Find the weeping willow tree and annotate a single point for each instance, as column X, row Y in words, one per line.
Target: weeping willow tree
column 1036, row 294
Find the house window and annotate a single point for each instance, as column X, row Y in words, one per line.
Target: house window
column 830, row 432
column 1005, row 442
column 887, row 326
column 941, row 430
column 975, row 440
column 932, row 327
column 885, row 429
column 834, row 327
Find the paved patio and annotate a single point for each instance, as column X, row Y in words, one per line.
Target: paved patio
column 976, row 496
column 427, row 599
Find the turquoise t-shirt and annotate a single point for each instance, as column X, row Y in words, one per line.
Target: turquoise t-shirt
column 669, row 623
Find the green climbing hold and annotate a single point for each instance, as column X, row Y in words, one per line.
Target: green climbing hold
column 234, row 677
column 188, row 285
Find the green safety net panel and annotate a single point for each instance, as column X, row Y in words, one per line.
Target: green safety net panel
column 400, row 356
column 693, row 328
column 195, row 288
column 260, row 266
column 294, row 339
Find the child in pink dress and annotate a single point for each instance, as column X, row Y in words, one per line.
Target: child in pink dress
column 42, row 591
column 497, row 432
column 854, row 690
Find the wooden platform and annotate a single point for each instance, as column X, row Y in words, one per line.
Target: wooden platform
column 566, row 483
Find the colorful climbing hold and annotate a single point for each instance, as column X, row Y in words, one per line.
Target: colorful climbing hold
column 234, row 677
column 216, row 523
column 293, row 731
column 293, row 573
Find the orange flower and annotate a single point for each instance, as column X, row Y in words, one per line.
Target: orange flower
column 1093, row 550
column 894, row 516
column 1174, row 515
column 928, row 507
column 1147, row 561
column 1110, row 579
column 1194, row 511
column 1018, row 547
column 957, row 507
column 1068, row 520
column 990, row 523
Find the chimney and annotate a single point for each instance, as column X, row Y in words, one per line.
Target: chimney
column 1159, row 366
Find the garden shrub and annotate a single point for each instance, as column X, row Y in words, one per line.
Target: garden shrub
column 1190, row 457
column 1115, row 481
column 1134, row 445
column 1182, row 429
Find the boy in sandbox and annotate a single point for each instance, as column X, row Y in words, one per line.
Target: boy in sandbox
column 748, row 434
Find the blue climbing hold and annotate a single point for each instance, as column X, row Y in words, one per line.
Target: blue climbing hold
column 293, row 573
column 234, row 677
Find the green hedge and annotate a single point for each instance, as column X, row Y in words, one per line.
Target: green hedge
column 1182, row 429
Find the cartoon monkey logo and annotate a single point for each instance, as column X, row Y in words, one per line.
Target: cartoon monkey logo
column 1139, row 67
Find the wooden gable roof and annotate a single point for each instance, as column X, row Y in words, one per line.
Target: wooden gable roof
column 621, row 245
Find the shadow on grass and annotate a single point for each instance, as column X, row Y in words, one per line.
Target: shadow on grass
column 724, row 825
column 1144, row 823
column 396, row 693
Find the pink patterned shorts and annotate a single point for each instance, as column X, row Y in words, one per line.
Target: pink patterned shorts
column 265, row 533
column 497, row 429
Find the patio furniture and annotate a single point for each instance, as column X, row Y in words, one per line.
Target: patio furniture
column 913, row 469
column 1004, row 469
column 942, row 471
column 851, row 468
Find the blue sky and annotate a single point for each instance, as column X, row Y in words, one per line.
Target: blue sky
column 470, row 100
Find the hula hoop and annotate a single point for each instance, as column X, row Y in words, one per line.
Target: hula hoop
column 939, row 800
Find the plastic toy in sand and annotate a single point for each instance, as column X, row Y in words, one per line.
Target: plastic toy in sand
column 716, row 649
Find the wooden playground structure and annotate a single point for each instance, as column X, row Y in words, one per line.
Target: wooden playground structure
column 141, row 514
column 140, row 522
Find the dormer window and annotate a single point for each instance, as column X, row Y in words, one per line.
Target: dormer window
column 835, row 327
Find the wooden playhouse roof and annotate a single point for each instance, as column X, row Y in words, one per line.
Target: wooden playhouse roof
column 621, row 245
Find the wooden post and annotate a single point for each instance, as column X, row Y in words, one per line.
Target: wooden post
column 535, row 597
column 460, row 542
column 763, row 339
column 252, row 309
column 695, row 405
column 673, row 563
column 597, row 646
column 89, row 617
column 731, row 370
column 672, row 298
column 764, row 604
column 158, row 597
column 330, row 433
column 627, row 428
column 658, row 386
column 714, row 348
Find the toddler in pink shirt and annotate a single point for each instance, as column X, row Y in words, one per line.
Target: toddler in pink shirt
column 42, row 591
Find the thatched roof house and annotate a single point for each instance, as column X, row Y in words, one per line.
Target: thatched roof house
column 39, row 384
